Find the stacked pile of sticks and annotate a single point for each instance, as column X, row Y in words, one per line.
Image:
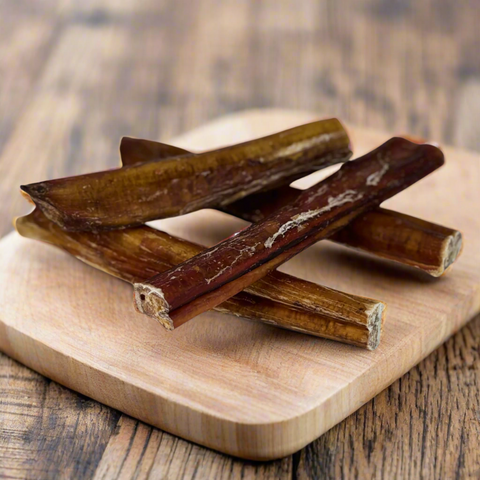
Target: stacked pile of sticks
column 100, row 218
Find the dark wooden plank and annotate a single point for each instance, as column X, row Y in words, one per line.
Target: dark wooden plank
column 76, row 78
column 139, row 451
column 46, row 430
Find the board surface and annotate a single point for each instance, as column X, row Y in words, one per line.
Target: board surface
column 241, row 387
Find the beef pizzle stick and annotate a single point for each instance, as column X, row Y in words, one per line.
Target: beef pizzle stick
column 222, row 271
column 138, row 193
column 387, row 234
column 135, row 254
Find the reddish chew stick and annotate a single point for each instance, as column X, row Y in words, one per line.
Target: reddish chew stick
column 387, row 234
column 220, row 272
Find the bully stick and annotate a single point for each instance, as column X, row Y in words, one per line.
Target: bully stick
column 135, row 254
column 387, row 234
column 222, row 271
column 405, row 239
column 384, row 233
column 138, row 193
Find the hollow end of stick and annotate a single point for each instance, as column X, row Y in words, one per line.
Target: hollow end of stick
column 452, row 251
column 151, row 301
column 375, row 321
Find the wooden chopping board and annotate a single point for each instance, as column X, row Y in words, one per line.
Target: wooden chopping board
column 234, row 385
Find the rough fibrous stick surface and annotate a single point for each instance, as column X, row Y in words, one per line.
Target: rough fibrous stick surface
column 135, row 194
column 135, row 254
column 220, row 272
column 384, row 233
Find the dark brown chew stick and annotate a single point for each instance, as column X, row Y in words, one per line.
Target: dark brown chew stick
column 133, row 195
column 135, row 254
column 384, row 233
column 220, row 272
column 405, row 239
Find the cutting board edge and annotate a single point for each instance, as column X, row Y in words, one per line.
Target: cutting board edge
column 257, row 435
column 251, row 441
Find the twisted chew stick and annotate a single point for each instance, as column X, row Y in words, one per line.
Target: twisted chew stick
column 220, row 272
column 135, row 254
column 384, row 233
column 136, row 194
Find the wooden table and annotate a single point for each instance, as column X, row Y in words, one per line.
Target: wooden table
column 76, row 75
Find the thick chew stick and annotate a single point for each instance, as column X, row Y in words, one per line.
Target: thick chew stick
column 133, row 195
column 135, row 254
column 384, row 233
column 405, row 239
column 222, row 271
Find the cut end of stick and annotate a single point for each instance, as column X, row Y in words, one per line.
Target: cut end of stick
column 374, row 325
column 151, row 301
column 453, row 249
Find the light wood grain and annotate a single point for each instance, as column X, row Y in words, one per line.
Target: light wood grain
column 406, row 67
column 233, row 385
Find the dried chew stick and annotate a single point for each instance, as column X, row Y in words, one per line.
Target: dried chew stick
column 135, row 254
column 135, row 194
column 222, row 271
column 387, row 234
column 420, row 244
